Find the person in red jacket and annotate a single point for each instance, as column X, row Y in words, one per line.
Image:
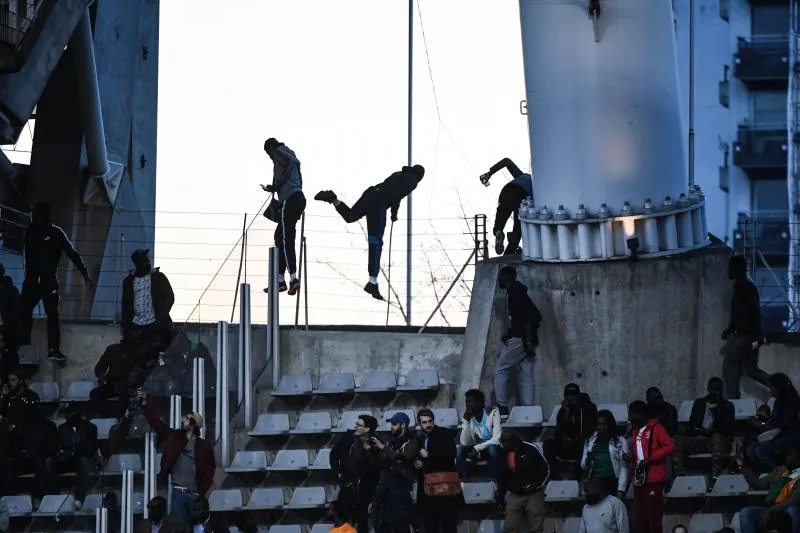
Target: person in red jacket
column 187, row 457
column 651, row 447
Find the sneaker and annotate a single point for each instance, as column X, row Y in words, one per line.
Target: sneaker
column 499, row 242
column 326, row 196
column 294, row 287
column 281, row 287
column 503, row 410
column 57, row 356
column 372, row 290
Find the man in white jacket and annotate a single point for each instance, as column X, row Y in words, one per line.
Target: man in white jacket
column 602, row 513
column 480, row 436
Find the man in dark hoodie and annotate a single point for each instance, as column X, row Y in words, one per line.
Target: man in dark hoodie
column 373, row 204
column 287, row 183
column 665, row 412
column 10, row 310
column 508, row 204
column 575, row 423
column 44, row 244
column 523, row 477
column 78, row 439
column 147, row 299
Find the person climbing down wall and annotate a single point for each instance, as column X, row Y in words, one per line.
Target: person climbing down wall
column 508, row 203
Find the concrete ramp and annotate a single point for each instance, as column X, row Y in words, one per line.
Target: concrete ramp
column 615, row 328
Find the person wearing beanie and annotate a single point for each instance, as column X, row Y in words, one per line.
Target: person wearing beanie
column 575, row 422
column 373, row 205
column 287, row 184
column 508, row 204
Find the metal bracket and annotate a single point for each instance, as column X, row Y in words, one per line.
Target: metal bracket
column 594, row 14
column 102, row 190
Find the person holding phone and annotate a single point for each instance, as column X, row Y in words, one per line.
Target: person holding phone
column 508, row 203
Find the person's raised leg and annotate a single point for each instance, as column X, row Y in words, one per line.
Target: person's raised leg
column 50, row 298
column 731, row 368
column 30, row 299
column 376, row 226
column 295, row 205
column 510, row 357
column 525, row 374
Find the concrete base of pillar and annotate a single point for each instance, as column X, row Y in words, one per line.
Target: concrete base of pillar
column 102, row 190
column 615, row 328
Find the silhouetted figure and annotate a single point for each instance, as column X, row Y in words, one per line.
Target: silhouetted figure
column 508, row 203
column 10, row 310
column 147, row 299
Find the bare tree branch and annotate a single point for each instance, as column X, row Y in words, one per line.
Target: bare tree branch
column 433, row 286
column 329, row 264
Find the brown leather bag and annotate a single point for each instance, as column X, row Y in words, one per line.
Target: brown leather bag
column 442, row 484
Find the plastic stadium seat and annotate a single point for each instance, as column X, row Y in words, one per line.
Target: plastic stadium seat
column 730, row 485
column 384, row 424
column 313, row 423
column 321, row 528
column 248, row 462
column 286, row 528
column 745, row 409
column 29, row 355
column 138, row 502
column 290, row 460
column 551, row 422
column 571, row 525
column 18, row 505
column 736, row 523
column 78, row 391
column 336, row 383
column 323, row 460
column 225, row 500
column 524, row 416
column 48, row 391
column 265, row 499
column 706, row 523
column 92, row 502
column 119, row 463
column 490, row 526
column 103, row 426
column 55, row 504
column 446, row 418
column 477, row 493
column 294, row 385
column 688, row 487
column 561, row 491
column 348, row 420
column 307, row 498
column 420, row 379
column 378, row 381
column 685, row 412
column 771, row 403
column 271, row 424
column 619, row 410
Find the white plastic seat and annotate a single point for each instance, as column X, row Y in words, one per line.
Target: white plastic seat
column 562, row 491
column 571, row 525
column 421, row 379
column 336, row 383
column 271, row 424
column 685, row 412
column 446, row 418
column 688, row 487
column 103, row 426
column 490, row 526
column 348, row 420
column 78, row 391
column 294, row 385
column 48, row 391
column 551, row 422
column 29, row 355
column 706, row 523
column 323, row 460
column 771, row 403
column 524, row 416
column 307, row 498
column 117, row 464
column 378, row 381
column 736, row 523
column 55, row 504
column 138, row 502
column 745, row 409
column 225, row 500
column 265, row 499
column 286, row 528
column 290, row 460
column 313, row 423
column 321, row 528
column 730, row 485
column 478, row 493
column 386, row 426
column 619, row 410
column 248, row 462
column 92, row 502
column 18, row 505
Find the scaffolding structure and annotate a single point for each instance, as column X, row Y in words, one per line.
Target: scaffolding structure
column 793, row 175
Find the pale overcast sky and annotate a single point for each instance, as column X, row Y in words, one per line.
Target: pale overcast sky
column 330, row 80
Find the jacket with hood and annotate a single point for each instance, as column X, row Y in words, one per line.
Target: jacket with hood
column 286, row 176
column 472, row 433
column 722, row 412
column 656, row 446
column 531, row 472
column 618, row 447
column 398, row 186
column 162, row 296
column 578, row 421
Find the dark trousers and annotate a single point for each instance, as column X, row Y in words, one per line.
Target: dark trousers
column 555, row 452
column 44, row 474
column 357, row 508
column 739, row 357
column 718, row 445
column 511, row 196
column 492, row 454
column 291, row 210
column 44, row 289
column 373, row 206
column 439, row 514
column 648, row 504
column 83, row 467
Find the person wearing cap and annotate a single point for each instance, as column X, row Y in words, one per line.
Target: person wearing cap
column 480, row 436
column 373, row 204
column 187, row 457
column 287, row 184
column 575, row 422
column 44, row 244
column 78, row 447
column 508, row 203
column 147, row 299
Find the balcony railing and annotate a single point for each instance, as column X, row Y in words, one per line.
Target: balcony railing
column 762, row 59
column 761, row 147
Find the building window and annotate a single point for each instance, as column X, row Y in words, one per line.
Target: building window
column 769, row 19
column 725, row 87
column 769, row 108
column 725, row 10
column 724, row 177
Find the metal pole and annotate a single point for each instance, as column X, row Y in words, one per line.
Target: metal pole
column 149, row 468
column 120, row 253
column 101, row 520
column 450, row 288
column 274, row 320
column 199, row 396
column 300, row 268
column 175, row 409
column 409, row 209
column 223, row 396
column 691, row 93
column 305, row 279
column 245, row 355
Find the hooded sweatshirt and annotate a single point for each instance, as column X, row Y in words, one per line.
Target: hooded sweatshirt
column 286, row 178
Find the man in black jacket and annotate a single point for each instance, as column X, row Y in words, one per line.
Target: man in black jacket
column 575, row 422
column 373, row 204
column 708, row 431
column 665, row 412
column 519, row 342
column 44, row 244
column 524, row 475
column 392, row 503
column 10, row 310
column 437, row 454
column 78, row 439
column 15, row 398
column 147, row 299
column 9, row 358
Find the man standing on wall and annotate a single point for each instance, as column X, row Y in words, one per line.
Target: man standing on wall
column 508, row 204
column 44, row 243
column 519, row 342
column 147, row 299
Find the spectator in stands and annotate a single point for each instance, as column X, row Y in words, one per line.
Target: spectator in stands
column 439, row 486
column 356, row 463
column 187, row 457
column 147, row 299
column 665, row 412
column 780, row 511
column 44, row 243
column 743, row 335
column 604, row 456
column 9, row 359
column 602, row 513
column 575, row 423
column 15, row 397
column 519, row 342
column 337, row 514
column 78, row 438
column 203, row 521
column 709, row 430
column 480, row 436
column 156, row 521
column 680, row 528
column 508, row 203
column 783, row 428
column 10, row 310
column 520, row 486
column 392, row 502
column 652, row 446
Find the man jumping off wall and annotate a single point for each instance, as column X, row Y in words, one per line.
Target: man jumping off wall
column 508, row 203
column 373, row 204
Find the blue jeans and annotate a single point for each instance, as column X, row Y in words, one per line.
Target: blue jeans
column 761, row 453
column 181, row 507
column 749, row 517
column 491, row 455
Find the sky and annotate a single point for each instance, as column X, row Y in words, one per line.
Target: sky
column 330, row 80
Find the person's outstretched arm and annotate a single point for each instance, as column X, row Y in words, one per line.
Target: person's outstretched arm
column 73, row 254
column 506, row 163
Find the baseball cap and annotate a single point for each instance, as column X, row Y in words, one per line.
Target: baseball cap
column 399, row 418
column 141, row 252
column 197, row 418
column 571, row 388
